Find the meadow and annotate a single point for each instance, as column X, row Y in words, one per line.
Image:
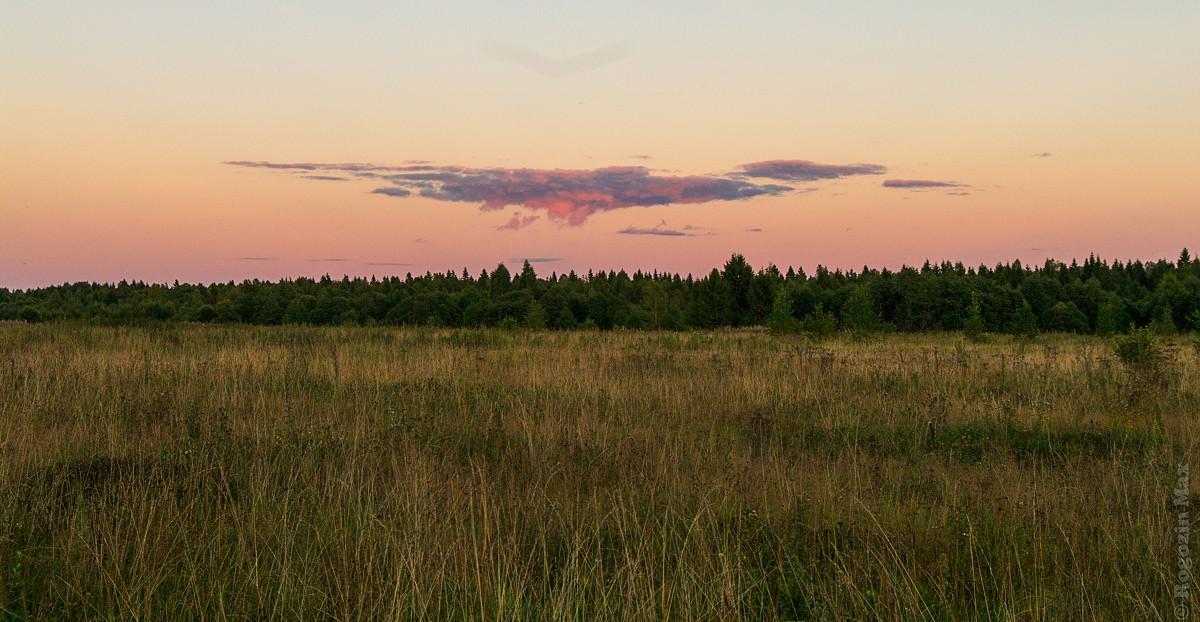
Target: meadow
column 200, row 472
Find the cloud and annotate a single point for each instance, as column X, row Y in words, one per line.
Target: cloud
column 570, row 196
column 662, row 229
column 804, row 170
column 419, row 241
column 392, row 192
column 257, row 259
column 641, row 157
column 331, row 260
column 326, row 178
column 1044, row 154
column 536, row 259
column 415, row 165
column 557, row 67
column 518, row 222
column 958, row 194
column 754, row 230
column 921, row 183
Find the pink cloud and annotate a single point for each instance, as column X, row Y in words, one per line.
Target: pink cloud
column 518, row 222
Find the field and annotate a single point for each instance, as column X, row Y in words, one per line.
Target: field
column 186, row 472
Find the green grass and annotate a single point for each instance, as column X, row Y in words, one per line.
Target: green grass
column 198, row 472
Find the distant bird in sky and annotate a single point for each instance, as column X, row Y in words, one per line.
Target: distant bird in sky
column 557, row 67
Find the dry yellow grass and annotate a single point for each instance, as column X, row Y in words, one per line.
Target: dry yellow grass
column 192, row 472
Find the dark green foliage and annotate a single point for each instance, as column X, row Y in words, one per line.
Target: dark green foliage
column 738, row 276
column 1064, row 317
column 535, row 316
column 973, row 326
column 30, row 314
column 1163, row 323
column 1113, row 318
column 858, row 313
column 1094, row 296
column 1024, row 323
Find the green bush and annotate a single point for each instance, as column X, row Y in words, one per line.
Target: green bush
column 781, row 320
column 1139, row 349
column 820, row 323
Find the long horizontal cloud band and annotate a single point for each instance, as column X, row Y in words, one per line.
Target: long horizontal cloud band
column 803, row 170
column 921, row 183
column 571, row 196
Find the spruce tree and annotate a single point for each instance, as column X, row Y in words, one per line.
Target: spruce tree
column 1024, row 322
column 973, row 326
column 781, row 320
column 858, row 316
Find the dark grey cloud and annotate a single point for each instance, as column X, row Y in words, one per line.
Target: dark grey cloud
column 329, row 260
column 921, row 183
column 804, row 170
column 392, row 192
column 535, row 259
column 754, row 230
column 326, row 177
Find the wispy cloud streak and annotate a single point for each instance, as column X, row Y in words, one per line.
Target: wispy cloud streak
column 921, row 183
column 662, row 229
column 804, row 170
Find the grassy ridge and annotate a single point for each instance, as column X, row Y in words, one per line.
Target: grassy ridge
column 190, row 472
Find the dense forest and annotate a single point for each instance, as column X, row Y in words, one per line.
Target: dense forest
column 1092, row 297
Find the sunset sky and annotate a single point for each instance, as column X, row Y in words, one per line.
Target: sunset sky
column 202, row 142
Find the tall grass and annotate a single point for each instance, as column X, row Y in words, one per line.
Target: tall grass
column 186, row 472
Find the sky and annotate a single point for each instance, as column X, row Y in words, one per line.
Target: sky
column 216, row 141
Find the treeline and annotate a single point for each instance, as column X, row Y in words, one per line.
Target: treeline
column 1092, row 297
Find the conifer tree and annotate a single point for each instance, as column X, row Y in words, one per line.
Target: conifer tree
column 973, row 326
column 1024, row 322
column 781, row 320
